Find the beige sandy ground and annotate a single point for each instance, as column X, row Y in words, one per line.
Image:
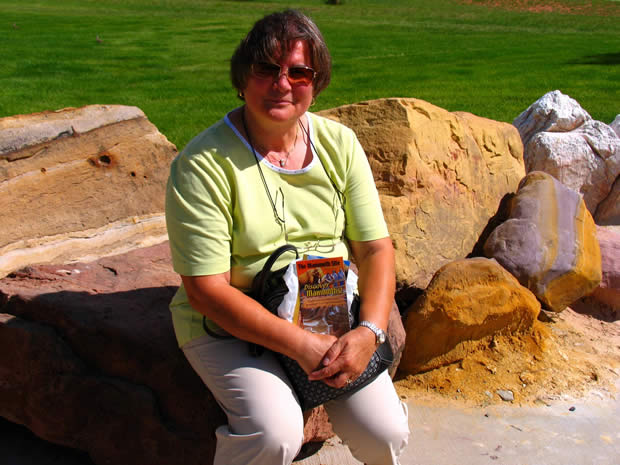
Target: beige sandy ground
column 575, row 355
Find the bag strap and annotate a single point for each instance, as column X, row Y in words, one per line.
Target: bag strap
column 258, row 285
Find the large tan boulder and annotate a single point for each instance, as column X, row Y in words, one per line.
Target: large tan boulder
column 466, row 301
column 441, row 177
column 77, row 184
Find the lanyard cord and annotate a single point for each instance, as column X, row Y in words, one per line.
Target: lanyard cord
column 339, row 193
column 279, row 220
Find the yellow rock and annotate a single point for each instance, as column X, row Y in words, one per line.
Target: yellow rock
column 466, row 300
column 440, row 175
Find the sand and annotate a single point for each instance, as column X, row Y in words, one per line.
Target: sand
column 574, row 356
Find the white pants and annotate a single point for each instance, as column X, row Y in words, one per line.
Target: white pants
column 265, row 421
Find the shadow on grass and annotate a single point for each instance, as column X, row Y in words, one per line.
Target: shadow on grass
column 607, row 59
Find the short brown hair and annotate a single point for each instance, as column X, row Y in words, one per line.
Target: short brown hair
column 274, row 34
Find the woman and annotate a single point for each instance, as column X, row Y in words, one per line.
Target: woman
column 267, row 174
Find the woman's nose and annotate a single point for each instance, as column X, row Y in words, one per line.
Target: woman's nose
column 282, row 80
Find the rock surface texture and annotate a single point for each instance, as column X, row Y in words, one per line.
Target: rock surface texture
column 562, row 139
column 549, row 242
column 608, row 293
column 615, row 125
column 608, row 211
column 440, row 175
column 77, row 184
column 467, row 300
column 88, row 359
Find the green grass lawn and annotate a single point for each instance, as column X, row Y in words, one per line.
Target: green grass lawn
column 170, row 57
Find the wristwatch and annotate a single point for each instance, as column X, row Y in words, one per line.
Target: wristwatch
column 379, row 333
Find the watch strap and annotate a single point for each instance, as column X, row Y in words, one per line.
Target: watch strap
column 380, row 335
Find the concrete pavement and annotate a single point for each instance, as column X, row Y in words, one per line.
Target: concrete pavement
column 578, row 432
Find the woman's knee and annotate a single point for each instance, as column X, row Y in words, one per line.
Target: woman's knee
column 262, row 442
column 281, row 434
column 282, row 443
column 380, row 447
column 377, row 439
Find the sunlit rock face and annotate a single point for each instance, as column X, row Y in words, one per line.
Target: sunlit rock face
column 440, row 175
column 77, row 184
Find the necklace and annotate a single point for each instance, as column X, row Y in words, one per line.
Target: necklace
column 281, row 221
column 282, row 161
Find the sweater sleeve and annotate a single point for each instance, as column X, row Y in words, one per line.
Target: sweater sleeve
column 199, row 213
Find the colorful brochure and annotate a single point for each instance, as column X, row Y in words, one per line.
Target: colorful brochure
column 322, row 304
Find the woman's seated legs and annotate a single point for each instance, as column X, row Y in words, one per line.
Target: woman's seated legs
column 372, row 422
column 265, row 422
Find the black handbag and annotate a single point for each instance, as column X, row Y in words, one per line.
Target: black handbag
column 269, row 288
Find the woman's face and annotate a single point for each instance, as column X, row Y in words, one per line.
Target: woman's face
column 276, row 101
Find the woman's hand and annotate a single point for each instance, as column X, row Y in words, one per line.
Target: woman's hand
column 314, row 349
column 349, row 356
column 346, row 359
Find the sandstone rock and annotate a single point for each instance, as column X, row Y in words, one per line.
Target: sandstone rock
column 88, row 359
column 553, row 112
column 549, row 242
column 606, row 297
column 467, row 300
column 609, row 241
column 440, row 176
column 78, row 184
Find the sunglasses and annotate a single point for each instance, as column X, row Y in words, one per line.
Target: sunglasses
column 296, row 75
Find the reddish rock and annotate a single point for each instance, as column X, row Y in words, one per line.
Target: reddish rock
column 88, row 359
column 604, row 302
column 609, row 289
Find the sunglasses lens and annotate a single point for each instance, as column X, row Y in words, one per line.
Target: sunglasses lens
column 265, row 70
column 300, row 75
column 295, row 75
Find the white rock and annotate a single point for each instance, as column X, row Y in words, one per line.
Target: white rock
column 608, row 211
column 506, row 395
column 553, row 112
column 587, row 159
column 562, row 139
column 615, row 125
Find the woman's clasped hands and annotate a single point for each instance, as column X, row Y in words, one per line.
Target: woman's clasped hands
column 337, row 361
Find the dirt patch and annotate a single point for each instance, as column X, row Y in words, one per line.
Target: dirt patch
column 575, row 356
column 575, row 7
